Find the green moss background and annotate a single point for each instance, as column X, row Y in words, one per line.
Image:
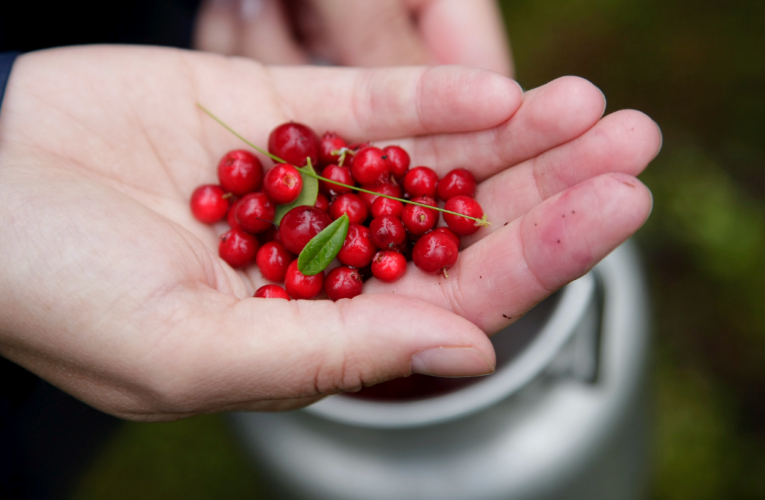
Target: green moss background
column 698, row 68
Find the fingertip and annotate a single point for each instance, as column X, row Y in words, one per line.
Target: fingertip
column 568, row 104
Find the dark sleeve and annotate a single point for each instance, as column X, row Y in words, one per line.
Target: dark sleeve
column 6, row 62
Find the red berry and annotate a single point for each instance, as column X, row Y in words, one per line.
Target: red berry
column 231, row 216
column 283, row 184
column 434, row 252
column 322, row 203
column 255, row 213
column 301, row 224
column 240, row 172
column 300, row 286
column 399, row 161
column 237, row 248
column 369, row 165
column 338, row 174
column 456, row 182
column 294, row 143
column 419, row 220
column 387, row 233
column 357, row 250
column 343, row 283
column 271, row 292
column 273, row 258
column 330, row 141
column 208, row 203
column 382, row 188
column 451, row 234
column 463, row 205
column 388, row 266
column 421, row 181
column 386, row 206
column 350, row 204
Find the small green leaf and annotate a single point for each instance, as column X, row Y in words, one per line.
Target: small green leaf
column 306, row 197
column 323, row 247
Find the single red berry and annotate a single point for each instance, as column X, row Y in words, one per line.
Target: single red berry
column 283, row 184
column 379, row 187
column 343, row 283
column 338, row 174
column 294, row 143
column 357, row 250
column 434, row 253
column 271, row 292
column 330, row 142
column 255, row 213
column 456, row 182
column 301, row 224
column 451, row 234
column 387, row 233
column 350, row 204
column 273, row 258
column 467, row 206
column 322, row 203
column 231, row 215
column 300, row 286
column 240, row 172
column 421, row 181
column 388, row 266
column 399, row 161
column 419, row 220
column 209, row 203
column 386, row 206
column 369, row 165
column 237, row 247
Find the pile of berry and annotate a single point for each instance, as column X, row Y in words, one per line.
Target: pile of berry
column 383, row 234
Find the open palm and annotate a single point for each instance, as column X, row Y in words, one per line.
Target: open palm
column 113, row 292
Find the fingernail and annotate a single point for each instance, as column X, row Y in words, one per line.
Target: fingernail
column 451, row 362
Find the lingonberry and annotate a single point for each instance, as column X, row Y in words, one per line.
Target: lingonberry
column 387, row 233
column 338, row 174
column 456, row 182
column 343, row 283
column 300, row 286
column 283, row 184
column 357, row 250
column 387, row 206
column 419, row 220
column 451, row 234
column 231, row 215
column 435, row 252
column 420, row 181
column 369, row 165
column 237, row 247
column 209, row 203
column 350, row 204
column 301, row 224
column 322, row 203
column 271, row 292
column 294, row 143
column 388, row 266
column 379, row 187
column 255, row 213
column 467, row 206
column 273, row 258
column 240, row 172
column 330, row 142
column 399, row 161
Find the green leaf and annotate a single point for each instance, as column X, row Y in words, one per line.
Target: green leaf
column 323, row 247
column 306, row 197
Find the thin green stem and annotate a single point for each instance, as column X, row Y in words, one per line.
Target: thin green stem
column 481, row 222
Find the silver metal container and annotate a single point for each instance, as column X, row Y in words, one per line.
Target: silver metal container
column 563, row 417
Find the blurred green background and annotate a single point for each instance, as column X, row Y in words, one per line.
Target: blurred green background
column 698, row 68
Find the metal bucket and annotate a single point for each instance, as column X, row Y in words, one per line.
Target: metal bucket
column 564, row 416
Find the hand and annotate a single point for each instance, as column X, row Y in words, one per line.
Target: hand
column 113, row 292
column 353, row 33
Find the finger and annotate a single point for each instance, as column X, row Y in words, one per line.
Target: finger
column 469, row 33
column 503, row 275
column 237, row 353
column 622, row 142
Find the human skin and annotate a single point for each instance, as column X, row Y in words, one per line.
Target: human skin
column 113, row 292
